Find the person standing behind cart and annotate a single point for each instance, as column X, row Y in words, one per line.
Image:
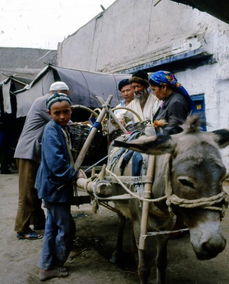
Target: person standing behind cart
column 54, row 180
column 27, row 153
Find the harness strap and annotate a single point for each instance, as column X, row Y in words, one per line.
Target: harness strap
column 192, row 203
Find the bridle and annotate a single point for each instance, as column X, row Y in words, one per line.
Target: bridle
column 207, row 203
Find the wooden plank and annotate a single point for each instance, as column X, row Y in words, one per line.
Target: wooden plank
column 131, row 180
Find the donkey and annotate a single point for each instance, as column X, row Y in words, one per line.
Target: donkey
column 189, row 172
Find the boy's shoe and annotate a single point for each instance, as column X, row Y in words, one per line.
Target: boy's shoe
column 48, row 274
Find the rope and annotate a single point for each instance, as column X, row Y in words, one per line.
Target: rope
column 95, row 164
column 107, row 206
column 131, row 193
column 192, row 203
column 152, row 234
column 204, row 203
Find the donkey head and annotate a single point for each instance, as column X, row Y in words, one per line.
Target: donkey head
column 196, row 175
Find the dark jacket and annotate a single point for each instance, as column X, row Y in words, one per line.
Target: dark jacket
column 174, row 110
column 55, row 173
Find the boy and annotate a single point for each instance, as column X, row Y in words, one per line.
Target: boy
column 27, row 153
column 54, row 185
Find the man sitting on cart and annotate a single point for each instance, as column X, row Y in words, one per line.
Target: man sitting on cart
column 145, row 104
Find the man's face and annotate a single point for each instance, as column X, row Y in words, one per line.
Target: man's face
column 61, row 112
column 127, row 93
column 140, row 91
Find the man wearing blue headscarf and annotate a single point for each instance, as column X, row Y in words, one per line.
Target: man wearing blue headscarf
column 176, row 102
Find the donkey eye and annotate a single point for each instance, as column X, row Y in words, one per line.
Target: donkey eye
column 186, row 182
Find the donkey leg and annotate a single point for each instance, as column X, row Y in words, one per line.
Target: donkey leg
column 161, row 261
column 143, row 268
column 117, row 254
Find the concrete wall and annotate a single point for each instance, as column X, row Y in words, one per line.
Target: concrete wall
column 132, row 33
column 24, row 62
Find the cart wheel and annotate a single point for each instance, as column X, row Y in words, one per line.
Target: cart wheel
column 85, row 108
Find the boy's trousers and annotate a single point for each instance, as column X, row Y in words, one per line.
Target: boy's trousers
column 58, row 236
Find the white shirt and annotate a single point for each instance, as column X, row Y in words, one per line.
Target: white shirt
column 150, row 108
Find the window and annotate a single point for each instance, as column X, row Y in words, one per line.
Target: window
column 199, row 109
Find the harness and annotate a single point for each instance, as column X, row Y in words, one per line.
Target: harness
column 216, row 202
column 172, row 199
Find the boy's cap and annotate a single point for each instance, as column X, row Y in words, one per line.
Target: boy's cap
column 59, row 86
column 57, row 97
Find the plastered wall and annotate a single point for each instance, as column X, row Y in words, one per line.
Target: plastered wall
column 132, row 32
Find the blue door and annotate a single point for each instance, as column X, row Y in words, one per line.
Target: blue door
column 199, row 109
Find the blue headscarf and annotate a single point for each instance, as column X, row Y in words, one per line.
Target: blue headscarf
column 165, row 77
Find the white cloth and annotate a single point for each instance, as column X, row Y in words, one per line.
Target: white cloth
column 150, row 108
column 120, row 112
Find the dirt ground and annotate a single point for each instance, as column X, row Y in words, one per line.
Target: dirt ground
column 89, row 262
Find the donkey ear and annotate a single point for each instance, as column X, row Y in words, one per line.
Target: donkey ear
column 222, row 137
column 155, row 145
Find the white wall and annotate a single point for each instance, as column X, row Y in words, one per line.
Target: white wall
column 130, row 32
